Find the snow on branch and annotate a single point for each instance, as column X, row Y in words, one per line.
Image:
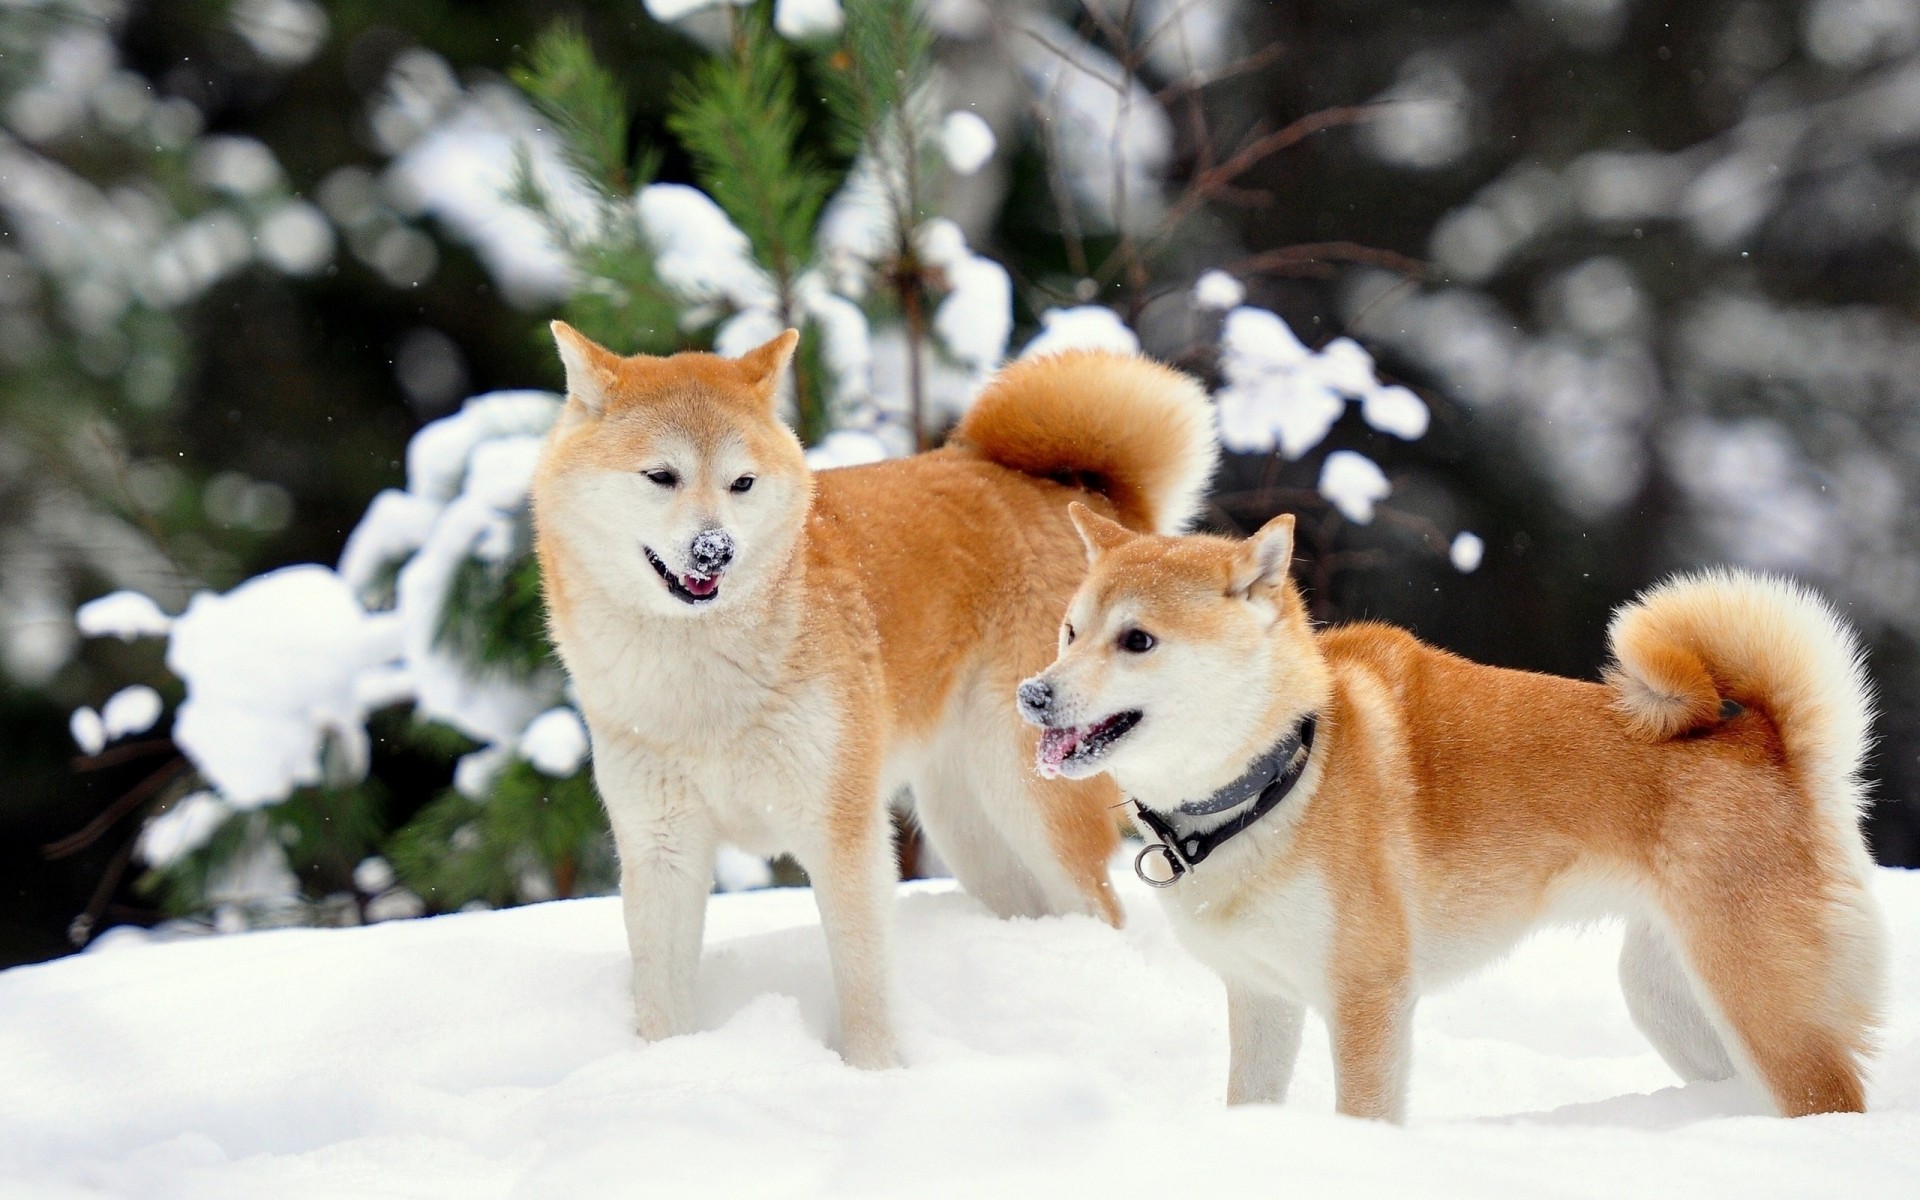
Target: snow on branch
column 1280, row 395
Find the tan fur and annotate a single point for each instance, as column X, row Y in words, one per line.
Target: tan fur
column 865, row 637
column 1448, row 807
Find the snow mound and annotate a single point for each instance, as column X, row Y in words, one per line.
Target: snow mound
column 489, row 1054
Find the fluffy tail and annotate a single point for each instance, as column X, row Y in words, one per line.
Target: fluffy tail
column 1139, row 433
column 1685, row 648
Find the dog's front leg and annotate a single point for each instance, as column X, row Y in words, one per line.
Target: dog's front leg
column 1263, row 1033
column 663, row 893
column 666, row 841
column 853, row 877
column 1371, row 1024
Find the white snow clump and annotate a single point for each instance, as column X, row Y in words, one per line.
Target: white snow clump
column 270, row 669
column 125, row 615
column 1218, row 290
column 1395, row 410
column 846, row 448
column 1089, row 327
column 555, row 742
column 1273, row 394
column 182, row 829
column 1280, row 394
column 668, row 11
column 373, row 875
column 461, row 170
column 1354, row 483
column 803, row 20
column 1466, row 552
column 734, row 870
column 975, row 320
column 700, row 254
column 966, row 141
column 130, row 710
column 88, row 730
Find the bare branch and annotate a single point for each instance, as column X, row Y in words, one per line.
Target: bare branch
column 137, row 795
column 1246, row 65
column 124, row 752
column 1286, row 259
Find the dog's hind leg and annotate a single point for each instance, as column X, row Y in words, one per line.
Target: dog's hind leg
column 1661, row 1000
column 1044, row 841
column 1064, row 830
column 1765, row 948
column 969, row 843
column 1082, row 832
column 1264, row 1035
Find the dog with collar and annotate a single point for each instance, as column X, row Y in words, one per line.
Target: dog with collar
column 1346, row 818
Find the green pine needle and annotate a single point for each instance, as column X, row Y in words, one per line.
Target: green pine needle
column 495, row 617
column 738, row 117
column 459, row 850
column 886, row 56
column 620, row 301
column 587, row 108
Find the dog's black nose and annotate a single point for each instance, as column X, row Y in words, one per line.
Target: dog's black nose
column 1036, row 697
column 711, row 551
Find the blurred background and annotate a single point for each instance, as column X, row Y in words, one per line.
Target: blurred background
column 1522, row 304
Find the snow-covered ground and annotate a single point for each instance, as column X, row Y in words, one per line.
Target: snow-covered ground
column 489, row 1055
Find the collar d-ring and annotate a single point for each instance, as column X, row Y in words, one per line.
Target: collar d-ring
column 1175, row 867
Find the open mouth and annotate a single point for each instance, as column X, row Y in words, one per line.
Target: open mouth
column 1077, row 746
column 689, row 588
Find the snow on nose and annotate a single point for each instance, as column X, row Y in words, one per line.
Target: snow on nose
column 1036, row 697
column 711, row 551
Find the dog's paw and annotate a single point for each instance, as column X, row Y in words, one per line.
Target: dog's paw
column 872, row 1054
column 651, row 1026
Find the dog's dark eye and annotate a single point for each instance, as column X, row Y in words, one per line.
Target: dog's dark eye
column 1068, row 630
column 663, row 477
column 1136, row 641
column 742, row 484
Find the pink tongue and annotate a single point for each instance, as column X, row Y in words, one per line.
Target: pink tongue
column 1057, row 745
column 697, row 586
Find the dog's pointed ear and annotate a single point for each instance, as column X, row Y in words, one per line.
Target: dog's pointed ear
column 1097, row 533
column 590, row 366
column 1264, row 557
column 765, row 364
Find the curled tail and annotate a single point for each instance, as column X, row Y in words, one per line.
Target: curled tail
column 1135, row 431
column 1685, row 648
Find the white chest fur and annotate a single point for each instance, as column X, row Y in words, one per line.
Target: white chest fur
column 1273, row 937
column 706, row 720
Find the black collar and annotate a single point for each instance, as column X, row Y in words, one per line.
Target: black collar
column 1268, row 781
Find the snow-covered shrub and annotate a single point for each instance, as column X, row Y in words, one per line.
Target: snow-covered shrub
column 435, row 605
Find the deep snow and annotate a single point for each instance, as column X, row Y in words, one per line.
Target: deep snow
column 488, row 1054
